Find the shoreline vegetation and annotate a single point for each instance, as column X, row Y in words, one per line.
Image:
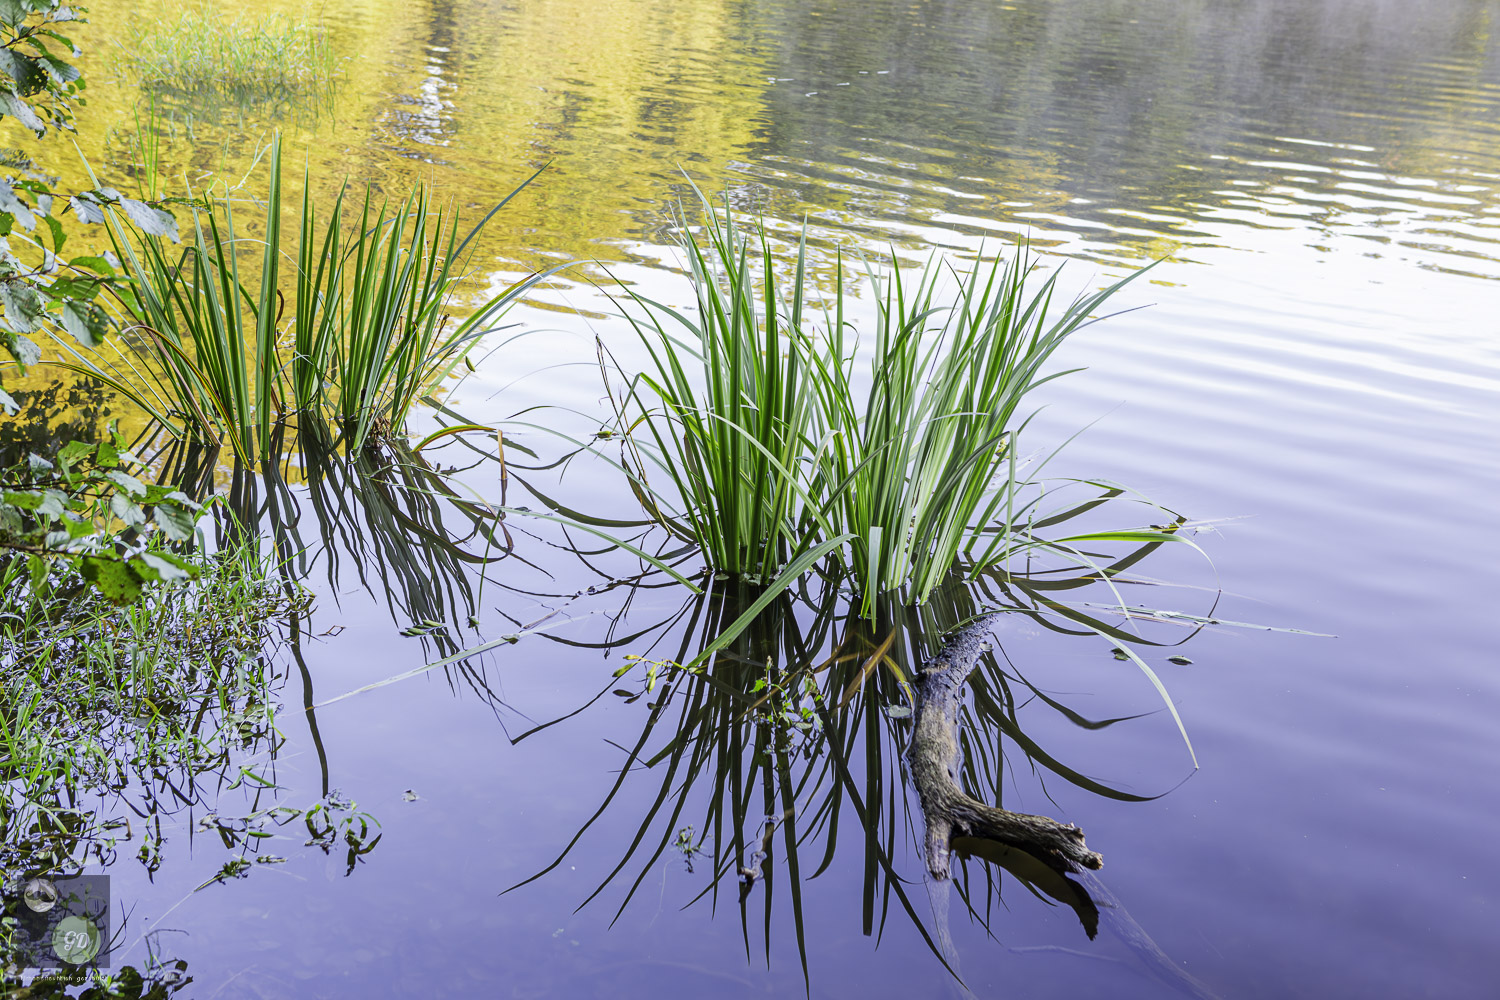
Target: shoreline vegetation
column 207, row 48
column 747, row 440
column 769, row 435
column 339, row 333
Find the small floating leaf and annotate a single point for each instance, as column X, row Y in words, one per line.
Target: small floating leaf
column 1120, row 654
column 897, row 711
column 1181, row 661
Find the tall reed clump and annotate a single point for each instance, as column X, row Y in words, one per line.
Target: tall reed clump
column 923, row 474
column 239, row 55
column 728, row 410
column 369, row 334
column 759, row 420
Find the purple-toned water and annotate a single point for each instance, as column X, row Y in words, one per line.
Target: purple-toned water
column 1317, row 373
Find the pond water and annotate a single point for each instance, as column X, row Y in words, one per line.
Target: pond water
column 1316, row 376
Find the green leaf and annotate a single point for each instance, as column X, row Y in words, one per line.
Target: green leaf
column 112, row 578
column 49, row 503
column 73, row 451
column 149, row 220
column 13, row 12
column 74, row 287
column 25, row 71
column 10, row 522
column 88, row 211
column 98, row 265
column 109, row 455
column 17, row 208
column 150, row 566
column 8, row 403
column 25, row 501
column 88, row 324
column 126, row 482
column 78, row 527
column 38, row 569
column 24, row 307
column 60, row 71
column 15, row 106
column 156, row 494
column 176, row 522
column 62, row 14
column 144, row 570
column 127, row 510
column 183, row 564
column 58, row 236
column 24, row 350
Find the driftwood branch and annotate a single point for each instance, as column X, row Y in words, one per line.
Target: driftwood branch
column 950, row 812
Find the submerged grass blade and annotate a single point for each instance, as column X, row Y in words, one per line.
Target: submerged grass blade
column 1161, row 689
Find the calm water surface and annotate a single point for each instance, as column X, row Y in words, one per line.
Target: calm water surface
column 1317, row 374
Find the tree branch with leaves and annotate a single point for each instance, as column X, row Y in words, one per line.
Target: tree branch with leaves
column 85, row 507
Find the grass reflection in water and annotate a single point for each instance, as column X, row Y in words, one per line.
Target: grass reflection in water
column 793, row 741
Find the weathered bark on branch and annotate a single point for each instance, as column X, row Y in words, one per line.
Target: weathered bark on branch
column 933, row 756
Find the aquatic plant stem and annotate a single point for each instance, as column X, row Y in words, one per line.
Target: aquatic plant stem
column 947, row 808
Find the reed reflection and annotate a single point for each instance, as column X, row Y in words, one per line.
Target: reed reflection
column 788, row 752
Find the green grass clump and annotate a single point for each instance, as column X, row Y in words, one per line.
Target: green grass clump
column 232, row 340
column 208, row 49
column 729, row 407
column 753, row 434
column 921, row 469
